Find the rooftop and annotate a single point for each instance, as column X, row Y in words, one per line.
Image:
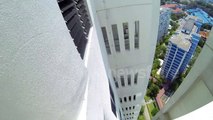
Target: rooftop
column 204, row 34
column 201, row 15
column 178, row 10
column 163, row 9
column 170, row 5
column 189, row 25
column 183, row 40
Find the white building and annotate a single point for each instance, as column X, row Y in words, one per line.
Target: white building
column 130, row 38
column 164, row 21
column 42, row 74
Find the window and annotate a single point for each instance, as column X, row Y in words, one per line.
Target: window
column 124, row 99
column 111, row 92
column 134, row 97
column 113, row 107
column 126, row 108
column 129, row 98
column 120, row 100
column 130, row 109
column 133, row 107
column 116, row 82
column 137, row 34
column 116, row 38
column 122, row 81
column 129, row 79
column 136, row 78
column 126, row 36
column 106, row 41
column 112, row 100
column 72, row 13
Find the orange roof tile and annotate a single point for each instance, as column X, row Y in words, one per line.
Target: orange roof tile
column 170, row 5
column 204, row 34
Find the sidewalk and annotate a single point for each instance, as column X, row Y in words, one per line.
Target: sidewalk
column 146, row 112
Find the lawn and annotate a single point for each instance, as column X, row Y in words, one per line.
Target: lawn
column 141, row 117
column 147, row 98
column 150, row 108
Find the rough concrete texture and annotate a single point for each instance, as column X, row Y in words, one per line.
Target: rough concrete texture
column 42, row 76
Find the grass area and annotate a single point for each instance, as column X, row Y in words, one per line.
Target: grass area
column 150, row 108
column 147, row 98
column 141, row 117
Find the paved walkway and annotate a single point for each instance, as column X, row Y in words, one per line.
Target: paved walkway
column 146, row 112
column 148, row 102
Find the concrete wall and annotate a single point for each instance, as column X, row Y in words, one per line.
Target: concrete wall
column 42, row 76
column 196, row 89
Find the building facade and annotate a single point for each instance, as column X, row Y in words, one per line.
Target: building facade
column 130, row 37
column 164, row 21
column 180, row 49
column 76, row 59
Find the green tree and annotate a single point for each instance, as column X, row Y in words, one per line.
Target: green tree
column 196, row 54
column 184, row 2
column 201, row 42
column 156, row 64
column 174, row 86
column 206, row 26
column 153, row 90
column 160, row 81
column 142, row 110
column 175, row 17
column 153, row 72
column 154, row 111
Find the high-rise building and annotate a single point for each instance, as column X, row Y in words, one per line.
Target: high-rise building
column 180, row 49
column 164, row 21
column 193, row 100
column 130, row 36
column 76, row 59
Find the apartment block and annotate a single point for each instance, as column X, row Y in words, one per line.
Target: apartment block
column 164, row 21
column 180, row 49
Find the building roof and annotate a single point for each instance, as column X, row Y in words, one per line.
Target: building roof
column 178, row 10
column 170, row 5
column 181, row 39
column 188, row 26
column 204, row 34
column 181, row 42
column 158, row 98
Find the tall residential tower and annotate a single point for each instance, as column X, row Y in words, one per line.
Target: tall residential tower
column 180, row 49
column 164, row 21
column 130, row 36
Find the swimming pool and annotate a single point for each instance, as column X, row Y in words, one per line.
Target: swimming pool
column 201, row 14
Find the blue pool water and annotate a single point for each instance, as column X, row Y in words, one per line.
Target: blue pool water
column 201, row 14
